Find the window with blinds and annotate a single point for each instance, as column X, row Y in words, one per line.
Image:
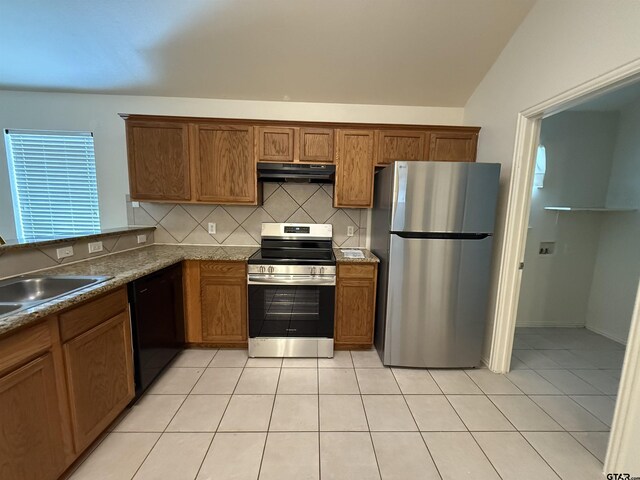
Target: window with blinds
column 53, row 181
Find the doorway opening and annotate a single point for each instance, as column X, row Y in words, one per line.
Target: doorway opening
column 623, row 196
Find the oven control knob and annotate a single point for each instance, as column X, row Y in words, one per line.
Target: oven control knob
column 321, row 270
column 262, row 269
column 313, row 270
column 271, row 269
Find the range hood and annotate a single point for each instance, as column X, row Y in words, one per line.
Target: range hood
column 295, row 172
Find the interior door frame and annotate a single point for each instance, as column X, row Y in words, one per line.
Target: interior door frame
column 514, row 242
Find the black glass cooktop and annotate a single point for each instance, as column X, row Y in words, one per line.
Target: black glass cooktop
column 292, row 256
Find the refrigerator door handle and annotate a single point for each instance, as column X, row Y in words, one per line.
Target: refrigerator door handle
column 443, row 235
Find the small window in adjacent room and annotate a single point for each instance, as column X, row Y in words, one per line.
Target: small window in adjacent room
column 53, row 183
column 541, row 167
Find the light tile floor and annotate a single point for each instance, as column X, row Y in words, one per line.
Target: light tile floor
column 219, row 415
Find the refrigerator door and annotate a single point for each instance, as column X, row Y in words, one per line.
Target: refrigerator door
column 436, row 302
column 444, row 197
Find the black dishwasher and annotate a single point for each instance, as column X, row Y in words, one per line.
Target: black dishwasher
column 157, row 323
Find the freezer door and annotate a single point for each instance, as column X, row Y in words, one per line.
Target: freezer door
column 436, row 302
column 444, row 197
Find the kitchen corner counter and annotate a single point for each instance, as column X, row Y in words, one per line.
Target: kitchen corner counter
column 123, row 268
column 368, row 256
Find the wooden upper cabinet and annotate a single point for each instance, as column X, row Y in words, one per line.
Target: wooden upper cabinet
column 224, row 165
column 452, row 146
column 158, row 154
column 275, row 144
column 354, row 169
column 316, row 145
column 400, row 145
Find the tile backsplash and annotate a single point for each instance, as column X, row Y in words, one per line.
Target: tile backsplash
column 29, row 259
column 240, row 225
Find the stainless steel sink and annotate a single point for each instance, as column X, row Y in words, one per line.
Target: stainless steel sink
column 26, row 291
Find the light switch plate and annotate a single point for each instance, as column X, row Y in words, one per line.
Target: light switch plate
column 212, row 228
column 64, row 252
column 350, row 231
column 142, row 238
column 95, row 247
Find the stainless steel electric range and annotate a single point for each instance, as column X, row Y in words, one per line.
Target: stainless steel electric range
column 292, row 282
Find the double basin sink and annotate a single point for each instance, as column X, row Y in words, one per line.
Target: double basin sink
column 20, row 293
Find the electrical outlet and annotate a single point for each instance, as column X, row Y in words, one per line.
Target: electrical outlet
column 135, row 204
column 95, row 247
column 212, row 228
column 547, row 248
column 350, row 231
column 142, row 238
column 64, row 252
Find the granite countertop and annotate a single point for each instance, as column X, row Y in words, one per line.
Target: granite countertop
column 123, row 268
column 127, row 266
column 368, row 256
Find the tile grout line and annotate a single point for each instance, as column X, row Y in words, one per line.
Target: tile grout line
column 172, row 417
column 266, row 436
column 215, row 433
column 366, row 417
column 424, row 442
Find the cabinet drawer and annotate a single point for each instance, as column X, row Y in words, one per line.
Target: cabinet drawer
column 356, row 271
column 223, row 269
column 94, row 312
column 21, row 346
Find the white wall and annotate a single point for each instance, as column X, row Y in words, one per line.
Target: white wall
column 617, row 265
column 555, row 288
column 558, row 46
column 99, row 113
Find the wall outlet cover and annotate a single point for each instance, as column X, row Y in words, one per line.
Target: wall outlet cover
column 350, row 231
column 212, row 228
column 64, row 252
column 142, row 238
column 95, row 247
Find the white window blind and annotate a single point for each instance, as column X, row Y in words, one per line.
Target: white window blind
column 53, row 181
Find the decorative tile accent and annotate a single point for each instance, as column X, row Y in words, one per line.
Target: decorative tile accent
column 319, row 206
column 241, row 225
column 178, row 223
column 280, row 205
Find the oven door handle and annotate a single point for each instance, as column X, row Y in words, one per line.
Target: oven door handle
column 291, row 280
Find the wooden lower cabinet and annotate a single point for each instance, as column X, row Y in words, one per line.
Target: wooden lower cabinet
column 30, row 446
column 35, row 437
column 355, row 305
column 99, row 371
column 216, row 302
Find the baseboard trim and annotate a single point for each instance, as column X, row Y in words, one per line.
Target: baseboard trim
column 607, row 335
column 551, row 324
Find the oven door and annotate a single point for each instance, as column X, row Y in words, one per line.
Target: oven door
column 291, row 306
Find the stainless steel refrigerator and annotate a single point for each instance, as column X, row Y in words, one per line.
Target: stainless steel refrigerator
column 432, row 228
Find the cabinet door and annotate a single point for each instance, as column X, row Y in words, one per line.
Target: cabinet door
column 158, row 156
column 225, row 170
column 452, row 146
column 400, row 145
column 355, row 169
column 316, row 145
column 31, row 436
column 99, row 377
column 224, row 309
column 275, row 144
column 355, row 311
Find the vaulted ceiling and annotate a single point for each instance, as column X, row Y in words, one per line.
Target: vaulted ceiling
column 393, row 52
